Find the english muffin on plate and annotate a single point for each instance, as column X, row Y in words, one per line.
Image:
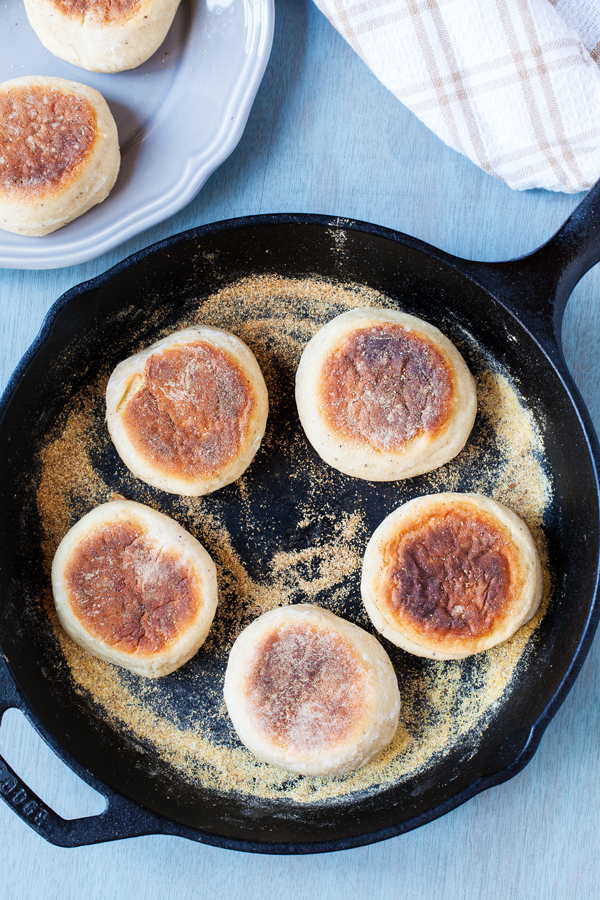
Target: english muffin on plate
column 102, row 35
column 59, row 153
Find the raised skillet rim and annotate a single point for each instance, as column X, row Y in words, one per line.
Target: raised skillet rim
column 125, row 817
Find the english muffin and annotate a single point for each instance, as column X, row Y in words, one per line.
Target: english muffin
column 449, row 575
column 311, row 693
column 133, row 588
column 59, row 153
column 383, row 395
column 187, row 414
column 102, row 35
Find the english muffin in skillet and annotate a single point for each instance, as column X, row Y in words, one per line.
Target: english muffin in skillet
column 449, row 575
column 310, row 692
column 133, row 588
column 187, row 414
column 383, row 395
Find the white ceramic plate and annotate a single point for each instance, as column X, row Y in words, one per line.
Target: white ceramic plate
column 179, row 115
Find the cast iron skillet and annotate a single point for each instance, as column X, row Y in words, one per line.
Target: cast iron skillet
column 514, row 311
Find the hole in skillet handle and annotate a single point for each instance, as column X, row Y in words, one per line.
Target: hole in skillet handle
column 536, row 287
column 44, row 772
column 120, row 819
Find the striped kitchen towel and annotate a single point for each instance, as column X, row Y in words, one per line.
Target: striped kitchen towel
column 512, row 84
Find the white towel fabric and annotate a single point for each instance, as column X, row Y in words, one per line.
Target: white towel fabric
column 509, row 83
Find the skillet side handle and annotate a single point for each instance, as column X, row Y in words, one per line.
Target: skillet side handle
column 122, row 818
column 536, row 287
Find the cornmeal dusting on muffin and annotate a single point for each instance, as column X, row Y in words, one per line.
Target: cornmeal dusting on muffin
column 45, row 134
column 191, row 414
column 305, row 687
column 149, row 592
column 383, row 385
column 444, row 704
column 103, row 10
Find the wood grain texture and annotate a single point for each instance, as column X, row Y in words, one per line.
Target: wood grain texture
column 325, row 137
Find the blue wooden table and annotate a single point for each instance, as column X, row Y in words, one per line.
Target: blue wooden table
column 325, row 137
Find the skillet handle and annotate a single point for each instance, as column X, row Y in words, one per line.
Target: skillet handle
column 121, row 819
column 536, row 287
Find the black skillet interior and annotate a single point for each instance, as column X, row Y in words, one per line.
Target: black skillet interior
column 94, row 326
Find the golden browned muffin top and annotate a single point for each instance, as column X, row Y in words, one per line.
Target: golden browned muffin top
column 384, row 385
column 306, row 687
column 191, row 414
column 451, row 573
column 129, row 592
column 103, row 10
column 45, row 135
